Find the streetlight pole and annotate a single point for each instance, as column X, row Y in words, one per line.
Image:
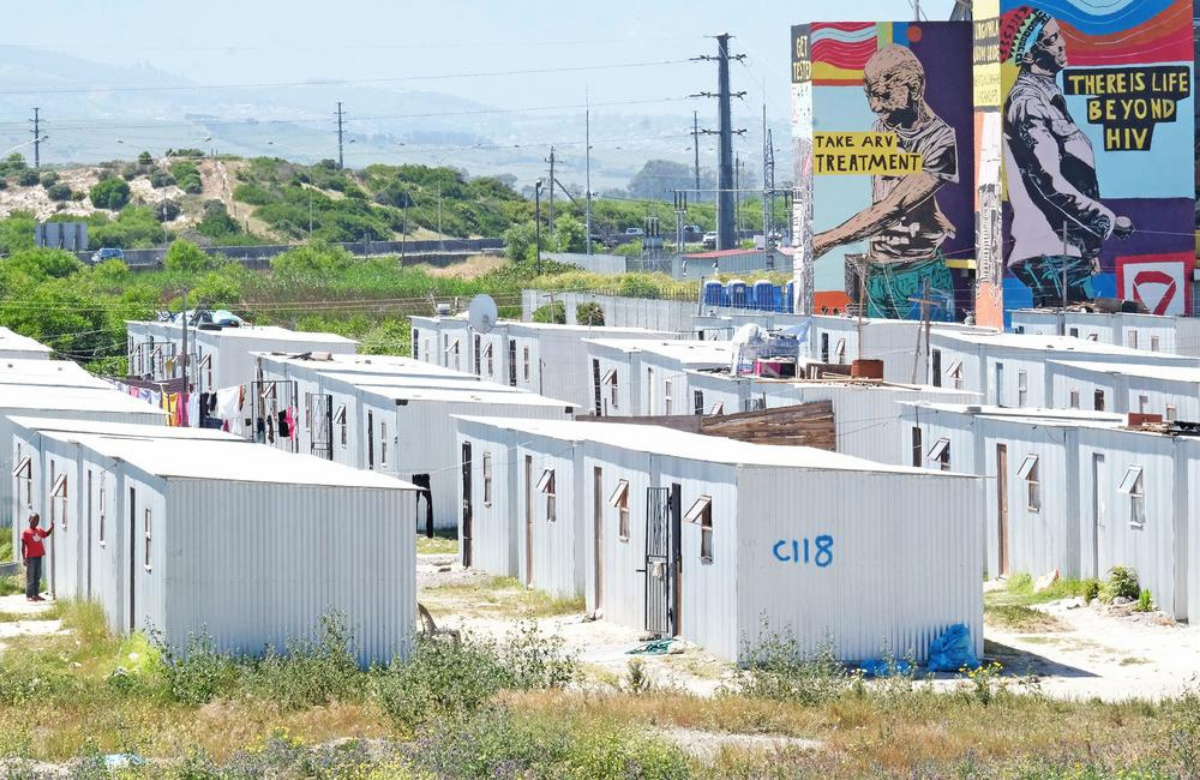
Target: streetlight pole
column 537, row 221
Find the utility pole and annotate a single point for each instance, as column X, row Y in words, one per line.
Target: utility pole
column 37, row 138
column 737, row 199
column 587, row 142
column 696, row 149
column 537, row 221
column 725, row 201
column 553, row 230
column 340, row 116
column 184, row 357
column 768, row 190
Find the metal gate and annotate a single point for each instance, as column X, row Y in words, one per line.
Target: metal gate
column 320, row 409
column 659, row 574
column 273, row 405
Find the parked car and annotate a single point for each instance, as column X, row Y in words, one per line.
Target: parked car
column 710, row 239
column 634, row 231
column 108, row 253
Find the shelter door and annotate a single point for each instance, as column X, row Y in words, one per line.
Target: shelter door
column 320, row 406
column 598, row 536
column 426, row 495
column 467, row 507
column 1002, row 498
column 1099, row 507
column 529, row 520
column 659, row 570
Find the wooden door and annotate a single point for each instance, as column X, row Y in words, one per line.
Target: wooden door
column 529, row 520
column 598, row 537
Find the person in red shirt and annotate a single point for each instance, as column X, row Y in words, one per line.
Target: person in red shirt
column 32, row 550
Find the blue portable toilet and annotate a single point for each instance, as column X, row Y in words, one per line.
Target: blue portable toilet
column 713, row 292
column 789, row 297
column 737, row 294
column 764, row 295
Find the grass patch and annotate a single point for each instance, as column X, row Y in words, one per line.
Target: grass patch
column 1019, row 592
column 443, row 542
column 12, row 586
column 6, row 545
column 53, row 612
column 1021, row 619
column 500, row 597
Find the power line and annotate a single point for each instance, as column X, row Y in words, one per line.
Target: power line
column 340, row 115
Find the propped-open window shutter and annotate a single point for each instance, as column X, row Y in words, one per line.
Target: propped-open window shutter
column 24, row 469
column 60, row 487
column 1027, row 466
column 938, row 448
column 609, row 377
column 339, row 417
column 619, row 493
column 546, row 483
column 693, row 515
column 1130, row 480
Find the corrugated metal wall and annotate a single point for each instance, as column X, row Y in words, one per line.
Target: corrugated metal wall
column 903, row 561
column 1111, row 538
column 556, row 544
column 309, row 550
column 495, row 526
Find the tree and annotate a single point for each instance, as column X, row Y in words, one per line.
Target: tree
column 145, row 159
column 41, row 263
column 658, row 178
column 317, row 262
column 185, row 257
column 519, row 240
column 571, row 234
column 59, row 191
column 167, row 211
column 110, row 194
column 16, row 232
column 28, row 178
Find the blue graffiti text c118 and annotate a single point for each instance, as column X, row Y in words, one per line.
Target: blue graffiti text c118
column 817, row 551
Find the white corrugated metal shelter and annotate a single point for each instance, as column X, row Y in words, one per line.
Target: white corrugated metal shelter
column 1030, row 458
column 221, row 356
column 62, row 403
column 900, row 344
column 15, row 346
column 409, row 431
column 442, row 341
column 1156, row 333
column 1170, row 391
column 640, row 378
column 1008, row 369
column 49, row 481
column 742, row 537
column 249, row 544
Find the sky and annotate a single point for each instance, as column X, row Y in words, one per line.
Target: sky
column 237, row 42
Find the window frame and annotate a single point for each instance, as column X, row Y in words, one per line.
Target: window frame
column 486, row 469
column 147, row 531
column 619, row 500
column 546, row 486
column 1033, row 485
column 1133, row 485
column 700, row 513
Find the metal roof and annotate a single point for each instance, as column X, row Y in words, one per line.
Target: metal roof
column 410, row 380
column 686, row 352
column 1054, row 344
column 15, row 341
column 598, row 329
column 1170, row 373
column 271, row 332
column 467, row 394
column 228, row 461
column 693, row 446
column 82, row 398
column 1044, row 417
column 104, row 428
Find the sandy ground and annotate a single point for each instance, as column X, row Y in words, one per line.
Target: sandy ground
column 17, row 605
column 1106, row 653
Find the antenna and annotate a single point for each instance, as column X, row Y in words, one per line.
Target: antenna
column 482, row 313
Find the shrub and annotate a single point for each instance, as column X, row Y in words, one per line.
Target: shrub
column 1145, row 602
column 184, row 256
column 187, row 176
column 445, row 677
column 110, row 194
column 167, row 211
column 49, row 179
column 128, row 172
column 1122, row 582
column 312, row 672
column 1091, row 590
column 28, row 178
column 778, row 669
column 200, row 674
column 589, row 314
column 145, row 159
column 551, row 313
column 160, row 178
column 59, row 192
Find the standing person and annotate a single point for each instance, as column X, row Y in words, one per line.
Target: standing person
column 1051, row 170
column 32, row 551
column 903, row 226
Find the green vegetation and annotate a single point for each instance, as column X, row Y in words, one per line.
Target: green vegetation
column 1122, row 583
column 441, row 543
column 1021, row 619
column 187, row 175
column 6, row 548
column 499, row 597
column 1018, row 591
column 110, row 194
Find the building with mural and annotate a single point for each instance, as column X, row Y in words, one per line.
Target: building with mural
column 1096, row 118
column 1043, row 153
column 886, row 165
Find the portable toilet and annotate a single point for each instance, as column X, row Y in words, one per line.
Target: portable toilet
column 737, row 294
column 789, row 297
column 764, row 295
column 713, row 292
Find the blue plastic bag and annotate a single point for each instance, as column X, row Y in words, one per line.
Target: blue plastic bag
column 952, row 651
column 881, row 668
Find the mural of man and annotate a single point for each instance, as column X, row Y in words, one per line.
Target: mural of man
column 1051, row 170
column 903, row 226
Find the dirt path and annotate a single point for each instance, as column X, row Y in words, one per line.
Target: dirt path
column 34, row 625
column 1106, row 653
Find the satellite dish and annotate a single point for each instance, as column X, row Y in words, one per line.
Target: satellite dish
column 482, row 313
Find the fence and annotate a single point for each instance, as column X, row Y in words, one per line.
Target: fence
column 683, row 314
column 260, row 256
